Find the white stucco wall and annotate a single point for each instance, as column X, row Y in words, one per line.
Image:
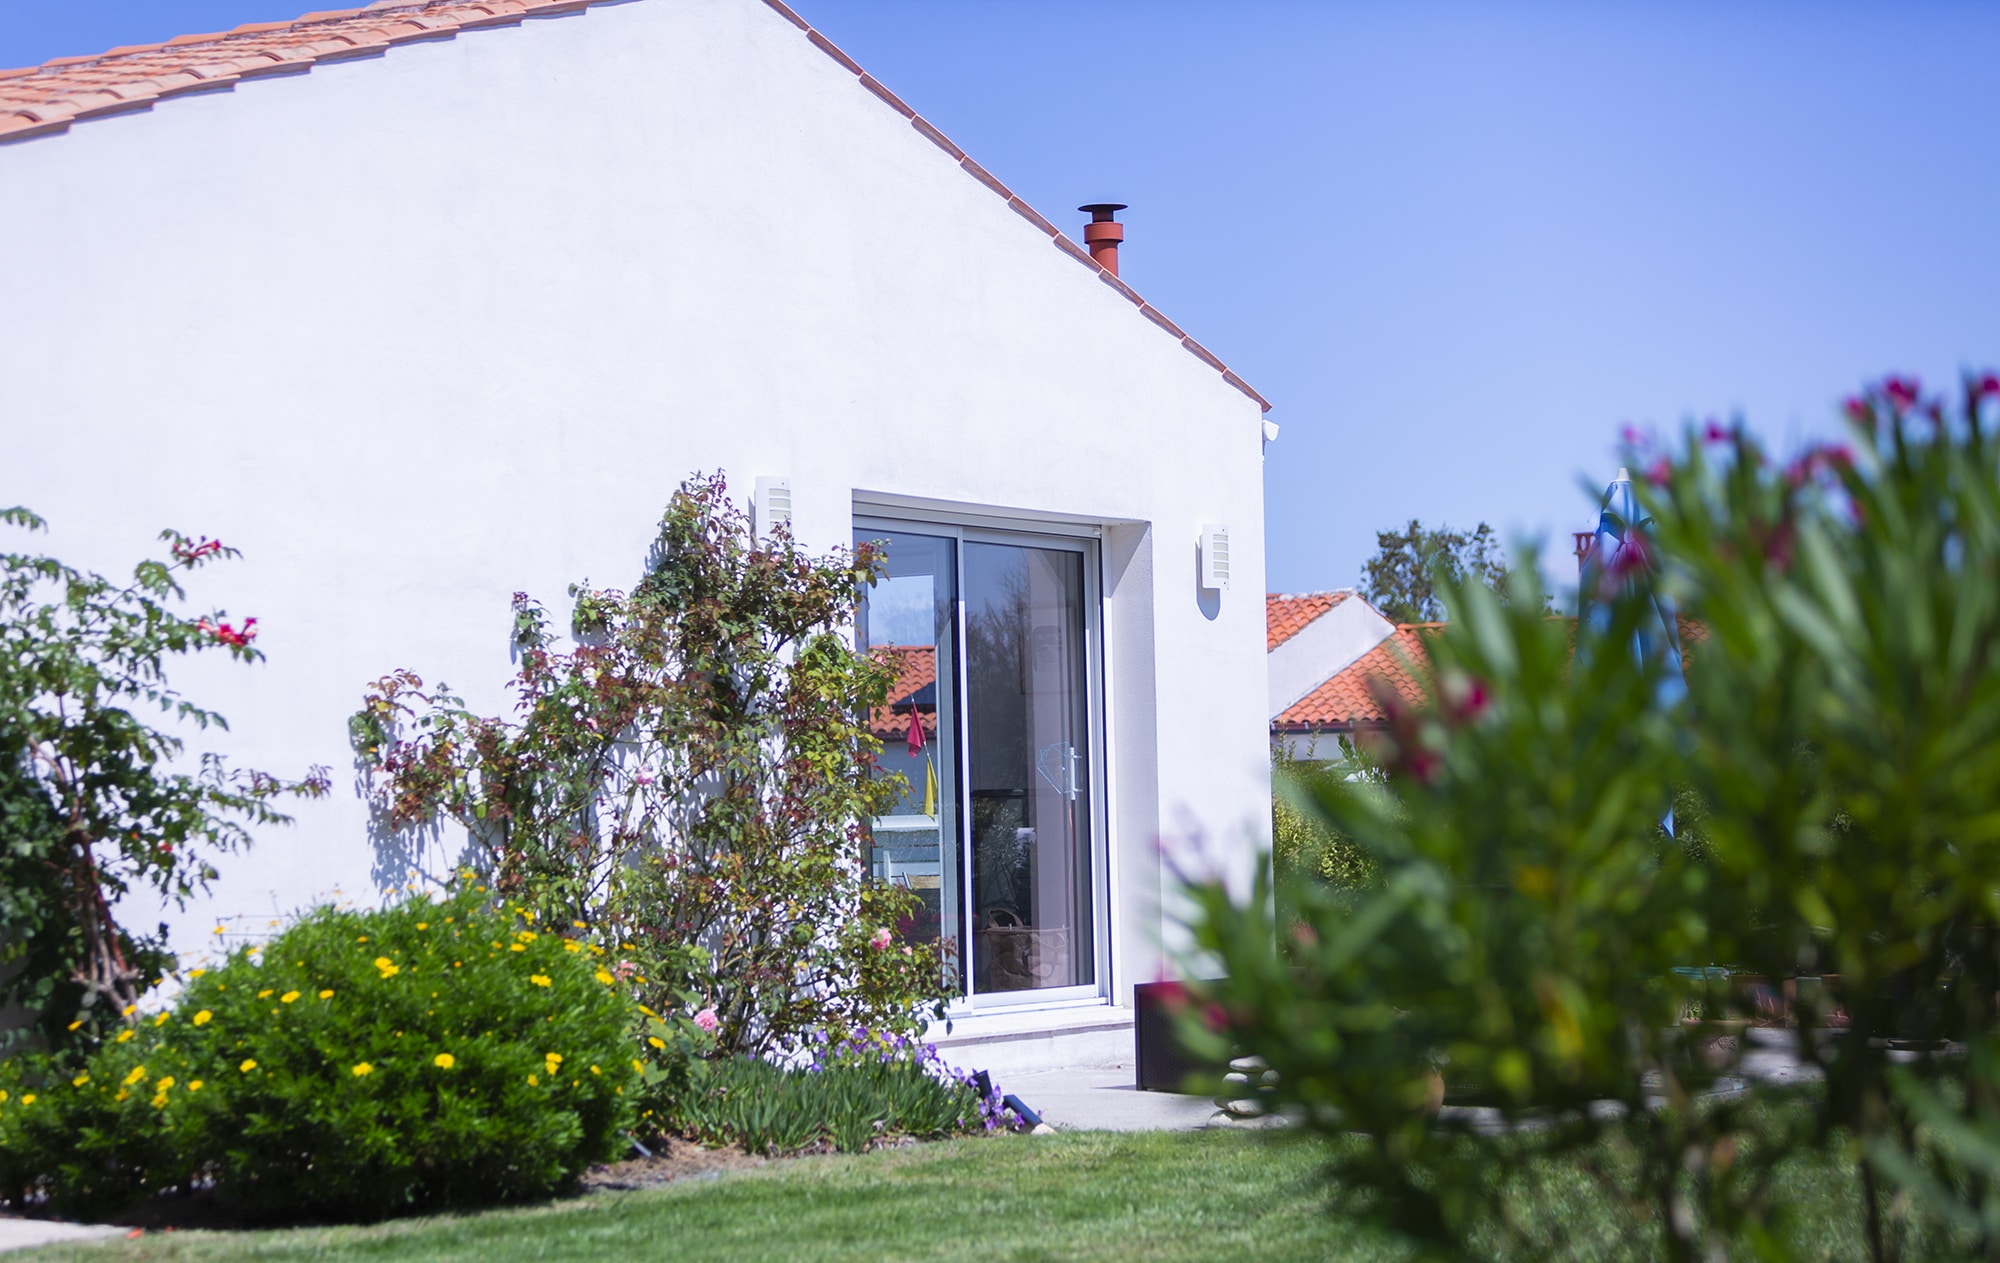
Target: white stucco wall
column 421, row 330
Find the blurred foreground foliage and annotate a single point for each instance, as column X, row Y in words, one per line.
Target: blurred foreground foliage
column 1537, row 967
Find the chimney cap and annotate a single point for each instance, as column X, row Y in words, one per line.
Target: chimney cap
column 1103, row 210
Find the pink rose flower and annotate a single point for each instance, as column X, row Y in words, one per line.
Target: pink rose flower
column 880, row 941
column 706, row 1020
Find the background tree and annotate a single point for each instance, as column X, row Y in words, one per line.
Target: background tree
column 1402, row 578
column 91, row 804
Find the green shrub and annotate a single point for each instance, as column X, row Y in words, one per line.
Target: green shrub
column 865, row 1089
column 360, row 1064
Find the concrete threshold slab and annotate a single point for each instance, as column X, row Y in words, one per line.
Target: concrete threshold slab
column 1104, row 1098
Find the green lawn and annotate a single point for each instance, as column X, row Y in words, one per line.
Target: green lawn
column 1093, row 1195
column 1151, row 1196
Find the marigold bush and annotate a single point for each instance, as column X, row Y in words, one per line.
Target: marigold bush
column 360, row 1064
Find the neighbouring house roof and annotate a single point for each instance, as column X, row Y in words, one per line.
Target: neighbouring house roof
column 1287, row 613
column 916, row 671
column 1346, row 701
column 46, row 99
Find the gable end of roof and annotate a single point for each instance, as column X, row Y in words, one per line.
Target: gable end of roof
column 39, row 101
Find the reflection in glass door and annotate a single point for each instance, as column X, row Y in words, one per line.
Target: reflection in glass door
column 911, row 615
column 988, row 721
column 1026, row 740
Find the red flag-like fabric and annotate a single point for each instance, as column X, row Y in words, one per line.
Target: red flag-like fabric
column 916, row 733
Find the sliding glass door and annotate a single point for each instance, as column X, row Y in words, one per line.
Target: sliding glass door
column 990, row 722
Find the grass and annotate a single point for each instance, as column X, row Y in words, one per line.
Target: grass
column 1014, row 1199
column 1087, row 1195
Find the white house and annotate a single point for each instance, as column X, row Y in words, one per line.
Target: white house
column 423, row 304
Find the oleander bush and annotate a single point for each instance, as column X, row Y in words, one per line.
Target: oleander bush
column 443, row 1052
column 1539, row 943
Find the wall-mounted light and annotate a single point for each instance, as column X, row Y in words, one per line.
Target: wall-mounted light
column 771, row 506
column 1215, row 557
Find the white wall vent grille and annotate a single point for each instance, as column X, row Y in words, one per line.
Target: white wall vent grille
column 772, row 505
column 1215, row 557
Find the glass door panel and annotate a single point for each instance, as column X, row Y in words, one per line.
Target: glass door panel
column 911, row 616
column 1029, row 792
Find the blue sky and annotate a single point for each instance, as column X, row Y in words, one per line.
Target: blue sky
column 1458, row 246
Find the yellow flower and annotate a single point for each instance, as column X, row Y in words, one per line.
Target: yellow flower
column 594, row 1070
column 194, row 1085
column 656, row 1041
column 122, row 1037
column 388, row 967
column 540, row 980
column 362, row 939
column 249, row 1064
column 161, row 1020
column 196, row 973
column 604, row 976
column 27, row 1098
column 516, row 947
column 202, row 1018
column 218, row 929
column 75, row 1024
column 159, row 1101
column 534, row 1081
column 579, row 925
column 526, row 936
column 165, row 1083
column 326, row 995
column 3, row 1096
column 444, row 1061
column 122, row 1094
column 648, row 1012
column 423, row 925
column 288, row 997
column 571, row 945
column 80, row 1080
column 138, row 1073
column 638, row 1065
column 265, row 992
column 363, row 1069
column 128, row 1010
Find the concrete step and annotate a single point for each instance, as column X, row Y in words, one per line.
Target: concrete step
column 1002, row 1044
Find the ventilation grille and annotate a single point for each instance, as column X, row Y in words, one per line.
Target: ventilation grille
column 772, row 506
column 1215, row 557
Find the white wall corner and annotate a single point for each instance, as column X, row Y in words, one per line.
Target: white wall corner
column 1322, row 648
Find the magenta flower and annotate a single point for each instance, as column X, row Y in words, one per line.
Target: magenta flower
column 880, row 939
column 706, row 1019
column 1902, row 391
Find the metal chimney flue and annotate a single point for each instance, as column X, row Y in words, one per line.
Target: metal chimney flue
column 1103, row 233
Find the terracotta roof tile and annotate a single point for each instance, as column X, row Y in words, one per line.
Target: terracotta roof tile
column 916, row 668
column 1287, row 613
column 42, row 100
column 1347, row 701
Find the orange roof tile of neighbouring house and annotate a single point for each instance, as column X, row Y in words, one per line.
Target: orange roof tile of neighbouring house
column 1287, row 613
column 46, row 99
column 1346, row 701
column 916, row 669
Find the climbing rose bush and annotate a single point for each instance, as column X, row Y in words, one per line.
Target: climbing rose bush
column 443, row 1052
column 691, row 775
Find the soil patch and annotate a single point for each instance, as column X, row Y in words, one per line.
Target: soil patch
column 671, row 1160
